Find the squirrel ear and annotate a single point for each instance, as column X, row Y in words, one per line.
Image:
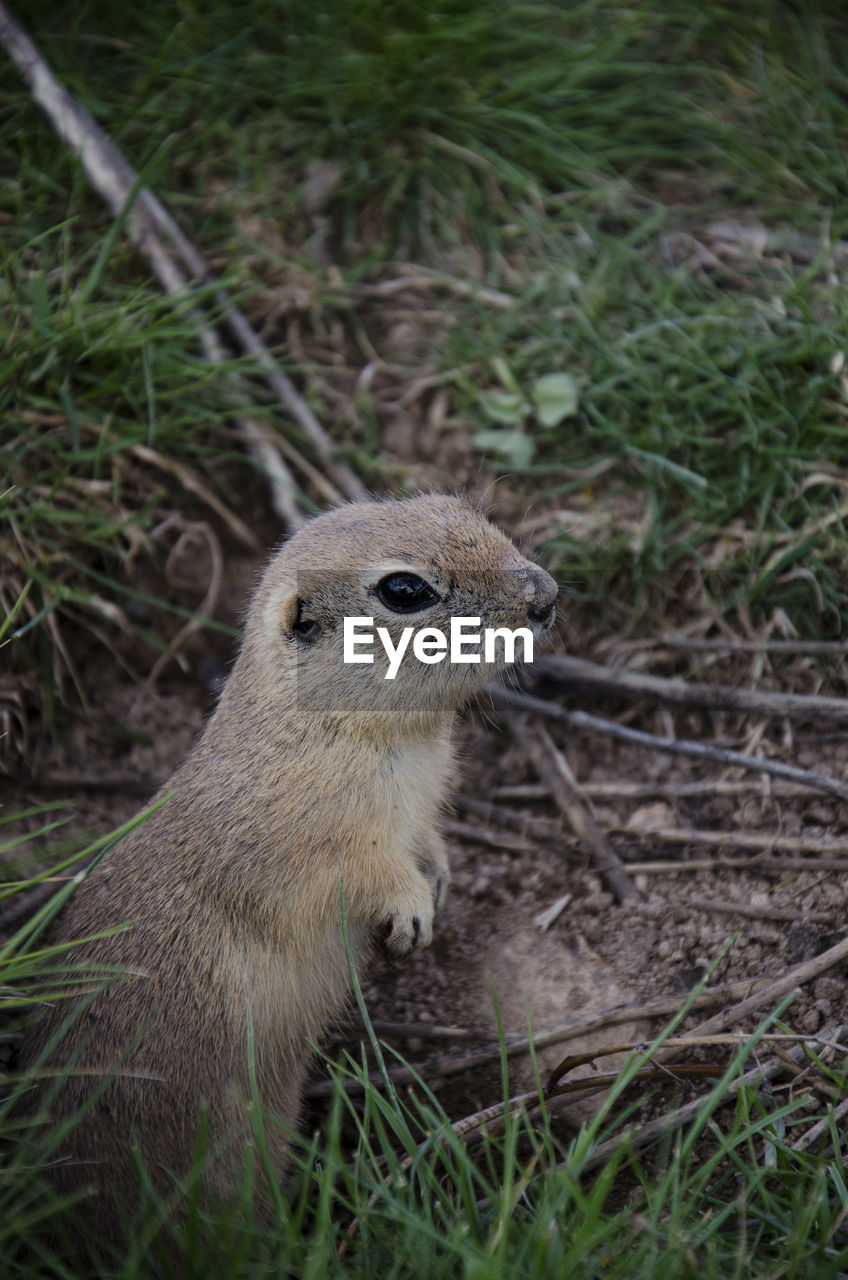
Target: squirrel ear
column 294, row 623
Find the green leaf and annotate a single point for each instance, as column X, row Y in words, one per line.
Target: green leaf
column 501, row 370
column 513, row 446
column 556, row 396
column 508, row 407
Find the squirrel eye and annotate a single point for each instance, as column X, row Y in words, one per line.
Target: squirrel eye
column 305, row 629
column 405, row 593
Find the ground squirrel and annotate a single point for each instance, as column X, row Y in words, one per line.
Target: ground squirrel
column 310, row 770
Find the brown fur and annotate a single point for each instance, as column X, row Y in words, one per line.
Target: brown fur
column 309, row 768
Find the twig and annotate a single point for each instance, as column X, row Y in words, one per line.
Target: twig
column 655, row 1129
column 518, row 819
column 193, row 484
column 525, row 791
column 791, row 979
column 485, row 835
column 681, row 693
column 833, row 1118
column 674, row 746
column 763, row 866
column 546, row 918
column 758, row 842
column 410, row 1031
column 626, row 789
column 115, row 180
column 836, row 648
column 726, row 1040
column 443, row 1067
column 205, row 610
column 553, row 769
column 758, row 913
column 436, row 280
column 492, row 1118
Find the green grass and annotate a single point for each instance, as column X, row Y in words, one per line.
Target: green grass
column 572, row 146
column 575, row 157
column 711, row 406
column 401, row 1194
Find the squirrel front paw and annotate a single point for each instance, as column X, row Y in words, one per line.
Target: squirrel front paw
column 432, row 862
column 408, row 926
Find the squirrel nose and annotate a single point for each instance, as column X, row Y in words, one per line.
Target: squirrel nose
column 543, row 608
column 544, row 614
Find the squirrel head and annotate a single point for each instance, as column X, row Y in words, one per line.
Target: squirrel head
column 409, row 565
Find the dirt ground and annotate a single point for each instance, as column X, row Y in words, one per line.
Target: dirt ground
column 596, row 953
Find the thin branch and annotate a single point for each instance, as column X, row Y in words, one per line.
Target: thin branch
column 835, row 648
column 442, row 1067
column 823, row 1126
column 627, row 789
column 192, row 482
column 790, row 980
column 206, row 609
column 486, row 835
column 724, row 1040
column 518, row 819
column 115, row 180
column 761, row 866
column 758, row 913
column 758, row 842
column 553, row 768
column 408, row 1031
column 522, row 702
column 631, row 684
column 418, row 278
column 651, row 1132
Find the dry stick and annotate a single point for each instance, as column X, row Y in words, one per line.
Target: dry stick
column 114, row 178
column 192, row 482
column 526, row 791
column 838, row 648
column 655, row 1129
column 491, row 1119
column 762, row 866
column 758, row 913
column 822, row 1126
column 485, row 835
column 454, row 1064
column 791, row 979
column 735, row 1040
column 540, row 829
column 553, row 769
column 625, row 789
column 758, row 842
column 519, row 819
column 600, row 679
column 522, row 702
column 355, row 1032
column 424, row 1031
column 205, row 609
column 419, row 279
column 752, row 994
